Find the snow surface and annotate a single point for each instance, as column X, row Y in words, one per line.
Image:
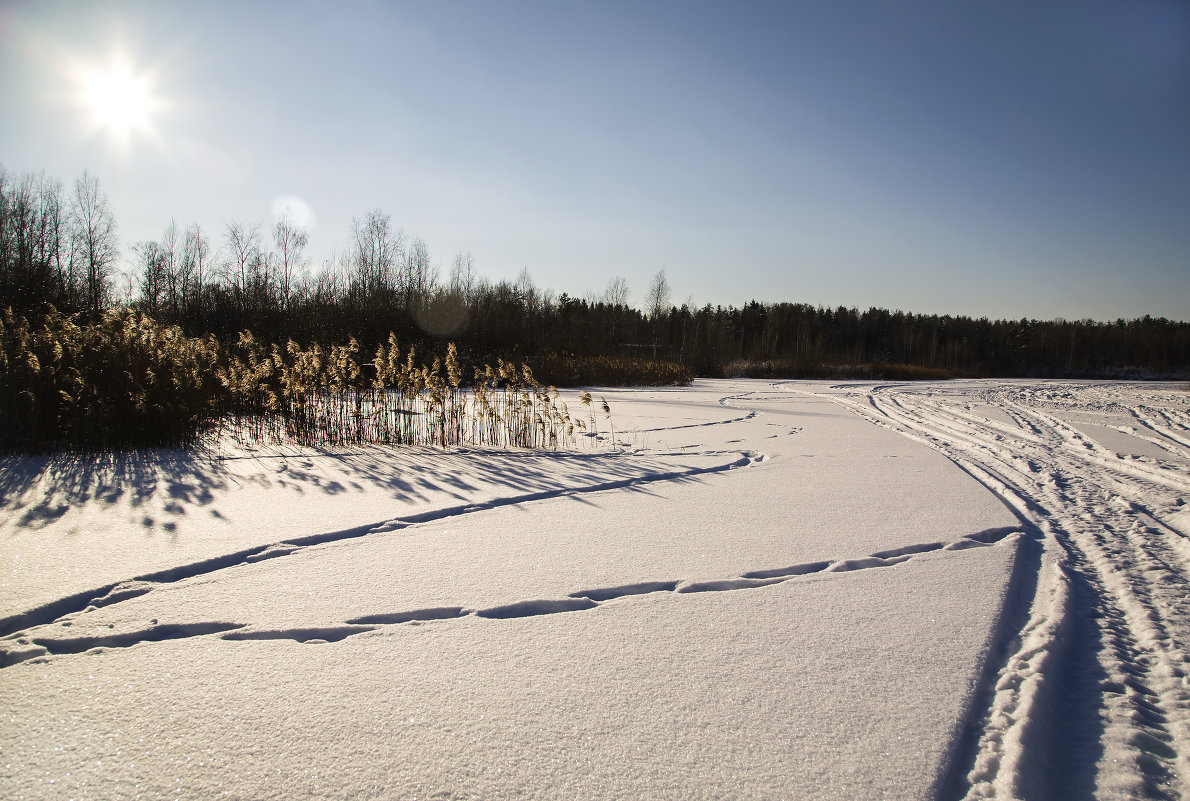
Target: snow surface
column 768, row 590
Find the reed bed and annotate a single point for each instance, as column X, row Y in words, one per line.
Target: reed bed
column 123, row 382
column 316, row 397
column 129, row 382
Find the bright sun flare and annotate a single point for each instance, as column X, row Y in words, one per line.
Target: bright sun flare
column 117, row 100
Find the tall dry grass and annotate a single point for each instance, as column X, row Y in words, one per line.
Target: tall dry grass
column 124, row 382
column 129, row 382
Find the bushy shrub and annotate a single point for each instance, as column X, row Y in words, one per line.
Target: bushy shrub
column 570, row 370
column 908, row 372
column 779, row 368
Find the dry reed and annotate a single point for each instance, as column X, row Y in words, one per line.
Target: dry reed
column 129, row 382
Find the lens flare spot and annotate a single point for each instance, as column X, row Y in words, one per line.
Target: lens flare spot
column 296, row 210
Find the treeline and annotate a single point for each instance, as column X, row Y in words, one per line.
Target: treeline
column 797, row 339
column 60, row 247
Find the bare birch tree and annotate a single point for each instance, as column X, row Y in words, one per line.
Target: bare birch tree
column 244, row 260
column 616, row 294
column 419, row 274
column 377, row 252
column 171, row 271
column 196, row 249
column 290, row 242
column 657, row 303
column 462, row 277
column 151, row 265
column 95, row 247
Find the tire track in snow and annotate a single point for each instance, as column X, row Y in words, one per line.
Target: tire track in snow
column 1173, row 434
column 39, row 646
column 1105, row 643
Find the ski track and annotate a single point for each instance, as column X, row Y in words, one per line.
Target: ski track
column 23, row 646
column 1104, row 643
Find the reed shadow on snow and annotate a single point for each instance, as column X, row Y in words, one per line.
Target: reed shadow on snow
column 39, row 490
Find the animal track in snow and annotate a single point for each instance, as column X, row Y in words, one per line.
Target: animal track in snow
column 17, row 648
column 641, row 588
column 707, row 424
column 533, row 608
column 867, row 563
column 124, row 591
column 28, row 648
column 320, row 634
column 436, row 613
column 139, row 585
column 726, row 585
column 792, row 570
column 909, row 550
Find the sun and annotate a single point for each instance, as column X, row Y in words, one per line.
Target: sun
column 117, row 100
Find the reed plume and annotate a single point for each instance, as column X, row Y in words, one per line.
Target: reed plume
column 127, row 382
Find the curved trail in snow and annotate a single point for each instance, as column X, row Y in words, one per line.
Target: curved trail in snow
column 12, row 626
column 44, row 643
column 1093, row 695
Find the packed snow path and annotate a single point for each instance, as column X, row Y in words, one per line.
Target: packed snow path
column 768, row 597
column 1095, row 699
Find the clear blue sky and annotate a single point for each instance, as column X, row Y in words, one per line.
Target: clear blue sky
column 999, row 159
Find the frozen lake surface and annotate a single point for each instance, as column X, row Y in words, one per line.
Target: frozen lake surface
column 769, row 590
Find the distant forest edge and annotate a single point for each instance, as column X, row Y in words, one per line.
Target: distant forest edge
column 59, row 248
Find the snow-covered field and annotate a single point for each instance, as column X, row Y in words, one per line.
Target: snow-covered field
column 772, row 590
